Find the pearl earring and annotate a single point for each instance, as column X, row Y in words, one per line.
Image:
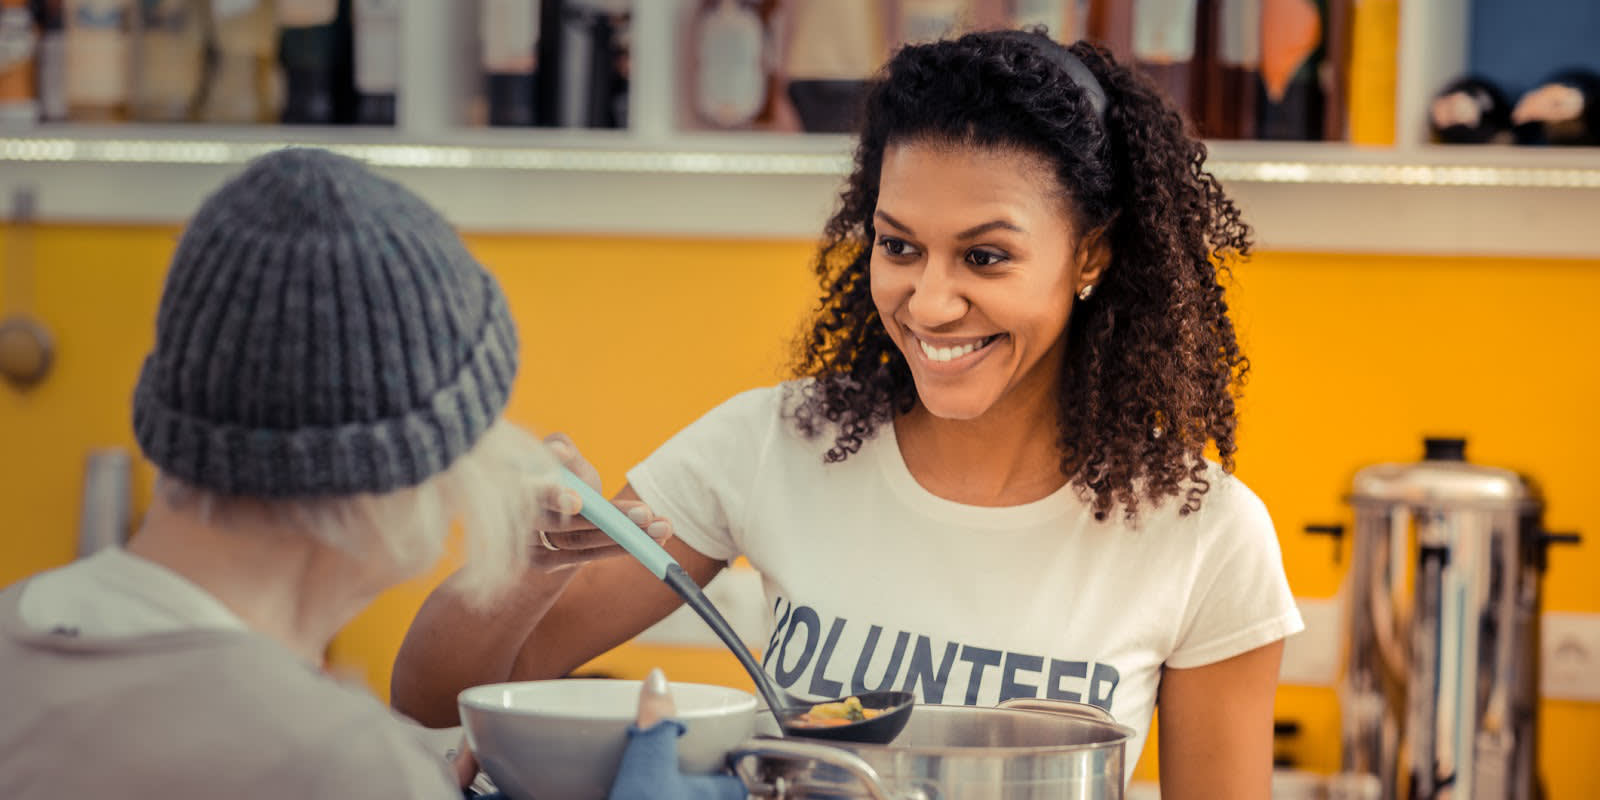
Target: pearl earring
column 1085, row 290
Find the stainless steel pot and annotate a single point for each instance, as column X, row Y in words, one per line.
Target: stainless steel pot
column 1023, row 749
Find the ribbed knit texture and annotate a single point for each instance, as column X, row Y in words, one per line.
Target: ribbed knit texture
column 322, row 331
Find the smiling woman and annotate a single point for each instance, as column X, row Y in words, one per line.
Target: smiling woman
column 989, row 480
column 1036, row 195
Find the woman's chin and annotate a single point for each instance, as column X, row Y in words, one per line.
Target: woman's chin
column 955, row 406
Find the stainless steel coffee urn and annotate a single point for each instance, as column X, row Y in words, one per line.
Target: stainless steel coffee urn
column 1439, row 697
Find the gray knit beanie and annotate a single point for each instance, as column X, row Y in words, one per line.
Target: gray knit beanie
column 322, row 332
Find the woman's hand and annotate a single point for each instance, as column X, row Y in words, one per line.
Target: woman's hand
column 452, row 645
column 562, row 537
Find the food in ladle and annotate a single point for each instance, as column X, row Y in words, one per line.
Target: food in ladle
column 832, row 715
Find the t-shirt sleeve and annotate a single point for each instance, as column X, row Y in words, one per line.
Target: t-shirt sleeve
column 1241, row 599
column 701, row 478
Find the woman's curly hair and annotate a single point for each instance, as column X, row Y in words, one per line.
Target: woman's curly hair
column 1151, row 365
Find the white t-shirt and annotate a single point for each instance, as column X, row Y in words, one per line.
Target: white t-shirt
column 875, row 583
column 114, row 593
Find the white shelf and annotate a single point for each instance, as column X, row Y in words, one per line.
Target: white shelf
column 1445, row 200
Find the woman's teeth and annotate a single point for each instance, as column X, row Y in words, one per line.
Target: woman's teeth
column 952, row 353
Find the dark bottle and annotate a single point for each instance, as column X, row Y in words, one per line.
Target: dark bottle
column 592, row 87
column 314, row 48
column 509, row 32
column 376, row 42
column 50, row 60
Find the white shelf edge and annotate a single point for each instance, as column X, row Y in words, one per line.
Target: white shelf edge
column 775, row 154
column 1487, row 200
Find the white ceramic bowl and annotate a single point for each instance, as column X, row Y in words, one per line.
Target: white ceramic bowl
column 563, row 739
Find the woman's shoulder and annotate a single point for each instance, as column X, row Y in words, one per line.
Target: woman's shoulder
column 1227, row 508
column 767, row 404
column 755, row 407
column 1229, row 498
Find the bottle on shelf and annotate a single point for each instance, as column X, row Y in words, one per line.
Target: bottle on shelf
column 170, row 59
column 243, row 85
column 509, row 32
column 833, row 48
column 613, row 98
column 1111, row 24
column 593, row 87
column 50, row 60
column 377, row 59
column 1291, row 100
column 1164, row 45
column 313, row 45
column 1333, row 72
column 730, row 65
column 99, row 59
column 18, row 41
column 1229, row 105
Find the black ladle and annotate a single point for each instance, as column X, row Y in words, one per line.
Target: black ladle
column 786, row 709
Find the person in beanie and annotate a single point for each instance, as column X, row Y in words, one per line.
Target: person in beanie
column 322, row 403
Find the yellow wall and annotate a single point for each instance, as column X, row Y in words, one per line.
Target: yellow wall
column 1355, row 358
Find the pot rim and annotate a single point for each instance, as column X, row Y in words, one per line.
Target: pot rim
column 1126, row 734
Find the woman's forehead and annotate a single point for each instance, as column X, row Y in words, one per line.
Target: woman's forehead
column 959, row 178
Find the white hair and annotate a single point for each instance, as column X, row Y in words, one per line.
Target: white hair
column 493, row 491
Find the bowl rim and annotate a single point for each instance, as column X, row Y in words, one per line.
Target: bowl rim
column 470, row 698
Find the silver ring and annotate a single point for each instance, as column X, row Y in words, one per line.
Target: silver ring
column 544, row 539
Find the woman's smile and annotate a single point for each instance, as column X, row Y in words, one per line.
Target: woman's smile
column 946, row 355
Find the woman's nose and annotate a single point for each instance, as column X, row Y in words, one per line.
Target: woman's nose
column 937, row 297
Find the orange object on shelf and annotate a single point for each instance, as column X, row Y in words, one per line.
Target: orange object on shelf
column 18, row 41
column 1290, row 33
column 1374, row 68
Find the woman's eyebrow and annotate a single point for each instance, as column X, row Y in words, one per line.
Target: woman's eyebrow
column 972, row 232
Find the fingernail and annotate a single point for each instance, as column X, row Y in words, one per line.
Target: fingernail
column 655, row 700
column 659, row 529
column 656, row 682
column 561, row 450
column 640, row 515
column 570, row 502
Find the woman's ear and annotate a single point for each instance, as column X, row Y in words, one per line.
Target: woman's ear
column 1093, row 255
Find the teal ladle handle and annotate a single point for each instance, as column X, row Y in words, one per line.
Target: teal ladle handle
column 611, row 520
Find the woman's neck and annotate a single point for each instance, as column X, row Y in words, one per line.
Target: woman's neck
column 1007, row 457
column 282, row 583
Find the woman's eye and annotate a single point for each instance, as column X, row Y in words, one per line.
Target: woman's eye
column 985, row 258
column 898, row 248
